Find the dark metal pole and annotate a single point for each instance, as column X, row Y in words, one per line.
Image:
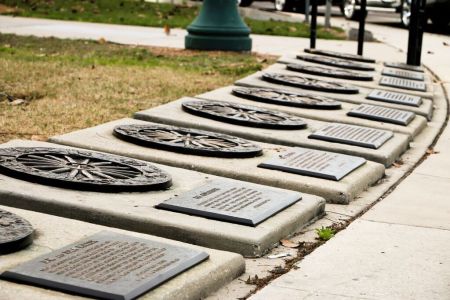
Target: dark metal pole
column 306, row 11
column 421, row 29
column 416, row 28
column 362, row 25
column 313, row 33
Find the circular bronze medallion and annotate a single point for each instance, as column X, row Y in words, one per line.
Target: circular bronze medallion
column 335, row 54
column 336, row 62
column 310, row 83
column 243, row 114
column 82, row 170
column 286, row 98
column 186, row 140
column 329, row 72
column 15, row 232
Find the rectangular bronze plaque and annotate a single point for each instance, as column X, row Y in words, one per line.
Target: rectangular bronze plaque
column 232, row 201
column 393, row 97
column 107, row 265
column 383, row 114
column 353, row 135
column 316, row 163
column 403, row 83
column 403, row 66
column 404, row 74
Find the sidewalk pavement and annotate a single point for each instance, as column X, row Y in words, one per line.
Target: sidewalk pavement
column 397, row 250
column 436, row 48
column 153, row 36
column 400, row 248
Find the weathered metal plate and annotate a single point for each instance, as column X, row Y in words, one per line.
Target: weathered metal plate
column 353, row 135
column 186, row 140
column 335, row 54
column 393, row 97
column 329, row 72
column 403, row 74
column 315, row 163
column 107, row 266
column 383, row 114
column 232, row 201
column 404, row 66
column 403, row 83
column 336, row 62
column 83, row 170
column 15, row 232
column 310, row 83
column 243, row 114
column 287, row 98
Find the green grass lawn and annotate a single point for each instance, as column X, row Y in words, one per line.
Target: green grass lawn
column 138, row 12
column 73, row 84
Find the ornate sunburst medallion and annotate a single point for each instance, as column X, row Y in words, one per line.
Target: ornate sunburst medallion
column 244, row 114
column 287, row 98
column 84, row 170
column 336, row 62
column 187, row 140
column 310, row 83
column 15, row 232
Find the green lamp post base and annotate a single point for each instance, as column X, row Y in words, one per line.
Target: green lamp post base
column 218, row 27
column 224, row 43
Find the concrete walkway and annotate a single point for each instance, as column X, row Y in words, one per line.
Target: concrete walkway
column 435, row 51
column 152, row 36
column 397, row 250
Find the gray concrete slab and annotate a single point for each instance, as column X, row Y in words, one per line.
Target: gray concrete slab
column 101, row 138
column 172, row 113
column 438, row 163
column 413, row 128
column 287, row 59
column 52, row 233
column 256, row 81
column 290, row 58
column 136, row 211
column 374, row 84
column 429, row 167
column 371, row 260
column 425, row 109
column 411, row 204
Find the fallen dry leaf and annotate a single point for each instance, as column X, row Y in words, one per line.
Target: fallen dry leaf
column 261, row 60
column 289, row 244
column 4, row 9
column 167, row 29
column 279, row 255
column 431, row 151
column 38, row 138
column 17, row 102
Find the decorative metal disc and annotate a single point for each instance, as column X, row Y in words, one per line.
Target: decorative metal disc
column 287, row 98
column 82, row 170
column 329, row 72
column 186, row 140
column 340, row 55
column 310, row 83
column 243, row 114
column 15, row 232
column 336, row 62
